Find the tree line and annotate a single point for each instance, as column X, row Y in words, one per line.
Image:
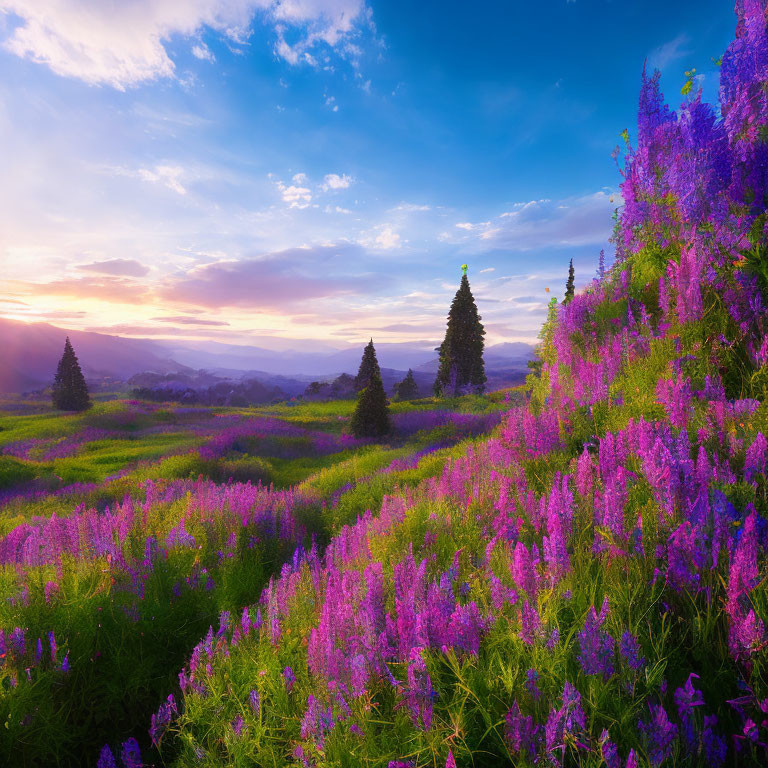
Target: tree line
column 461, row 369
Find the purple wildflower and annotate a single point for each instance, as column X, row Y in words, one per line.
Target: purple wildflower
column 629, row 648
column 465, row 628
column 520, row 731
column 715, row 748
column 568, row 720
column 131, row 754
column 597, row 647
column 162, row 719
column 290, row 679
column 532, row 684
column 106, row 758
column 609, row 751
column 530, row 623
column 660, row 735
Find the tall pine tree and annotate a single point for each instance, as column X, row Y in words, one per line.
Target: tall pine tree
column 368, row 366
column 371, row 416
column 461, row 353
column 70, row 392
column 407, row 389
column 570, row 287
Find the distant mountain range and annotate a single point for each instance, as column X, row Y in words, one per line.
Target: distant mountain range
column 31, row 352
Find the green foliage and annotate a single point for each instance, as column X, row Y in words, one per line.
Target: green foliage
column 70, row 392
column 15, row 472
column 690, row 76
column 407, row 389
column 371, row 416
column 461, row 353
column 369, row 367
column 755, row 262
column 570, row 285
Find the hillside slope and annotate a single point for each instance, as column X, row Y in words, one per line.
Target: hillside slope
column 31, row 352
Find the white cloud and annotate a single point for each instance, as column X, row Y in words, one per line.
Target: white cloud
column 165, row 174
column 387, row 239
column 671, row 51
column 296, row 195
column 123, row 43
column 203, row 52
column 411, row 208
column 334, row 181
column 469, row 227
column 487, row 269
column 381, row 238
column 327, row 21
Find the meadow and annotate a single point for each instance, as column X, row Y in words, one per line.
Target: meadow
column 129, row 529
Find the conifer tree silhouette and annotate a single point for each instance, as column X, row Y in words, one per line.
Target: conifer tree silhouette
column 70, row 392
column 461, row 353
column 371, row 416
column 368, row 366
column 407, row 389
column 570, row 288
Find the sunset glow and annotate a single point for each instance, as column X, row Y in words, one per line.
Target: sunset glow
column 257, row 170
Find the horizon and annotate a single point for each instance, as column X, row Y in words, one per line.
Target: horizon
column 272, row 173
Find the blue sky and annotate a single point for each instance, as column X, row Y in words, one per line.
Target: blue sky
column 262, row 171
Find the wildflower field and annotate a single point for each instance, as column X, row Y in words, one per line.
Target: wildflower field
column 568, row 574
column 127, row 530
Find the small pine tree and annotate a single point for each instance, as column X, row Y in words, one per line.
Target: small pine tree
column 461, row 353
column 570, row 288
column 371, row 416
column 70, row 392
column 407, row 389
column 368, row 366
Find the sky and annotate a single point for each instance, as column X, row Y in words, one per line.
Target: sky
column 315, row 172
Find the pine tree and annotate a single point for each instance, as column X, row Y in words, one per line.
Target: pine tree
column 368, row 366
column 461, row 353
column 407, row 389
column 371, row 416
column 70, row 392
column 570, row 288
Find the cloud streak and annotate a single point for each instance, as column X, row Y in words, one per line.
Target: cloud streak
column 117, row 267
column 675, row 49
column 277, row 280
column 545, row 223
column 182, row 320
column 112, row 289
